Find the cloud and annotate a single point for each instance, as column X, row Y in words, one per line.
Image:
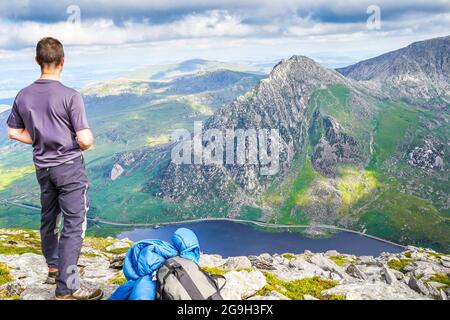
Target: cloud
column 127, row 34
column 118, row 22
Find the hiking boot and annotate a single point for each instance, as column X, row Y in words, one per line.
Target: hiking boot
column 51, row 277
column 53, row 274
column 82, row 294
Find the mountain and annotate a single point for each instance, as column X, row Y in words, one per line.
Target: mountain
column 347, row 158
column 418, row 73
column 307, row 276
column 189, row 67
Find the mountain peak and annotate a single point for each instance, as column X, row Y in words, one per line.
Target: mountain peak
column 305, row 69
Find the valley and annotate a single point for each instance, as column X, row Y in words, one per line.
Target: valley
column 354, row 154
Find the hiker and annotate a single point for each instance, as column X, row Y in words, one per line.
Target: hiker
column 51, row 117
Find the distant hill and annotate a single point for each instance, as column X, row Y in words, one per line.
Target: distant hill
column 170, row 71
column 418, row 73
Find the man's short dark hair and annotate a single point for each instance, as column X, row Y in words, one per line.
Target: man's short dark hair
column 49, row 52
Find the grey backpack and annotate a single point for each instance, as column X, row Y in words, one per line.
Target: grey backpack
column 183, row 279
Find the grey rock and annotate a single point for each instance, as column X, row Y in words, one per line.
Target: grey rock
column 242, row 284
column 445, row 263
column 433, row 292
column 355, row 272
column 389, row 275
column 117, row 262
column 326, row 264
column 263, row 262
column 418, row 286
column 238, row 263
column 331, row 253
column 368, row 260
column 211, row 260
column 443, row 295
column 399, row 275
column 121, row 244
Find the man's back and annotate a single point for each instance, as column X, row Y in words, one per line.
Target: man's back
column 52, row 113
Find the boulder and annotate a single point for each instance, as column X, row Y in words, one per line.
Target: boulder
column 211, row 260
column 418, row 286
column 389, row 276
column 241, row 262
column 324, row 263
column 331, row 253
column 118, row 245
column 367, row 260
column 445, row 263
column 355, row 272
column 263, row 262
column 242, row 284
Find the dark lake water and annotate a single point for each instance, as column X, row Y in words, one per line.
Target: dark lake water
column 234, row 239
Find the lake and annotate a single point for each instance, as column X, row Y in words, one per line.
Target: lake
column 235, row 239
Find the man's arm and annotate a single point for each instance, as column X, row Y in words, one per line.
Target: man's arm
column 85, row 139
column 21, row 135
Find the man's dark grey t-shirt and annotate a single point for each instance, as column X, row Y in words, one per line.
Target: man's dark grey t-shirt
column 52, row 113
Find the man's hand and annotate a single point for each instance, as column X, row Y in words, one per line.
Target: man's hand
column 21, row 135
column 85, row 139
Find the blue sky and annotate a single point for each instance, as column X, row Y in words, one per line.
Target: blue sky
column 115, row 36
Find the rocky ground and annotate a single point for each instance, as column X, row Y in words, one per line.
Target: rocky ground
column 413, row 274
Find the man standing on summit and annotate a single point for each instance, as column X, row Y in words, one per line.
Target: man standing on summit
column 51, row 117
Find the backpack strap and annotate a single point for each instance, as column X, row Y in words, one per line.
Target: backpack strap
column 216, row 278
column 184, row 278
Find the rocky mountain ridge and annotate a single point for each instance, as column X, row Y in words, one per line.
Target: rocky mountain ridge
column 280, row 102
column 415, row 273
column 418, row 73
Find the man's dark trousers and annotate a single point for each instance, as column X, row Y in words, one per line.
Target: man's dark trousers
column 64, row 191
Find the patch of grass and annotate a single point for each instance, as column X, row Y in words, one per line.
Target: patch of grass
column 4, row 295
column 399, row 265
column 119, row 279
column 441, row 278
column 11, row 249
column 99, row 243
column 407, row 218
column 340, row 260
column 250, row 213
column 294, row 193
column 7, row 177
column 158, row 140
column 17, row 241
column 296, row 289
column 213, row 270
column 5, row 274
column 354, row 185
column 289, row 256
